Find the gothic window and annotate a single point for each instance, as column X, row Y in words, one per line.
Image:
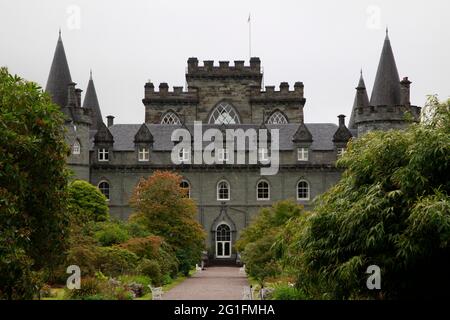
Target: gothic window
column 184, row 155
column 277, row 118
column 103, row 154
column 170, row 118
column 263, row 154
column 187, row 187
column 224, row 155
column 223, row 190
column 302, row 190
column 224, row 113
column 104, row 188
column 262, row 190
column 76, row 148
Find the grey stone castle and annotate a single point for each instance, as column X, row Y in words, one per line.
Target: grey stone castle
column 115, row 157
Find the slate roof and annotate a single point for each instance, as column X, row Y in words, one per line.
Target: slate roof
column 59, row 76
column 361, row 84
column 322, row 134
column 386, row 89
column 91, row 102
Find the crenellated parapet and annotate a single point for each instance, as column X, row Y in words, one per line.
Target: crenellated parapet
column 164, row 96
column 270, row 95
column 386, row 113
column 224, row 70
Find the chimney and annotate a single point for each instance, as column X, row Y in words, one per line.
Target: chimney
column 224, row 65
column 341, row 120
column 255, row 64
column 209, row 64
column 192, row 64
column 71, row 98
column 405, row 99
column 78, row 95
column 284, row 87
column 163, row 88
column 298, row 87
column 239, row 64
column 110, row 121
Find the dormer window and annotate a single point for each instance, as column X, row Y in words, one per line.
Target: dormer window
column 224, row 155
column 263, row 154
column 143, row 154
column 184, row 155
column 103, row 154
column 340, row 152
column 302, row 154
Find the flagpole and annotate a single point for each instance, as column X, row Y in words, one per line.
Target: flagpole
column 249, row 36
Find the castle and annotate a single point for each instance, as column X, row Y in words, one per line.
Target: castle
column 115, row 157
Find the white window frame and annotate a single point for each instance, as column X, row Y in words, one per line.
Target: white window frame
column 224, row 155
column 109, row 189
column 218, row 190
column 268, row 191
column 308, row 190
column 143, row 154
column 184, row 155
column 263, row 154
column 341, row 152
column 303, row 154
column 76, row 148
column 103, row 155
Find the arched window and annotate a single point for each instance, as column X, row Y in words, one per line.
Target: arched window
column 104, row 188
column 262, row 190
column 277, row 118
column 223, row 241
column 302, row 190
column 170, row 118
column 76, row 148
column 223, row 190
column 224, row 113
column 187, row 187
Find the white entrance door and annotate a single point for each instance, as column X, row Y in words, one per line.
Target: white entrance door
column 223, row 241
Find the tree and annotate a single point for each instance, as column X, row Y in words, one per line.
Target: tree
column 391, row 208
column 33, row 186
column 256, row 243
column 86, row 202
column 162, row 206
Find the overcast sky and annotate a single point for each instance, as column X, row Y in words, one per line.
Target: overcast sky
column 322, row 43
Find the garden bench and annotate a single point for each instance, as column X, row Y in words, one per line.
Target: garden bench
column 157, row 292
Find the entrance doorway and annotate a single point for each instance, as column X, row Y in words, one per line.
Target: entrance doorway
column 223, row 241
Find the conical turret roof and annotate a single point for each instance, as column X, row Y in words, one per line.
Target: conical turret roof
column 362, row 86
column 91, row 102
column 386, row 89
column 59, row 76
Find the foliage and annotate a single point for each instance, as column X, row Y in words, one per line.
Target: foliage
column 161, row 206
column 111, row 232
column 86, row 202
column 114, row 261
column 257, row 240
column 286, row 292
column 33, row 187
column 152, row 269
column 89, row 287
column 391, row 209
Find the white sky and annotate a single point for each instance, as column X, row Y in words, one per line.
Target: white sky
column 323, row 43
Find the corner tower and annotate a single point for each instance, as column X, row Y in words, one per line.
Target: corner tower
column 390, row 100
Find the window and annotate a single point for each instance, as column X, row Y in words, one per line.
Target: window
column 340, row 152
column 223, row 190
column 223, row 241
column 302, row 154
column 277, row 118
column 170, row 118
column 104, row 188
column 302, row 190
column 187, row 187
column 224, row 155
column 103, row 154
column 184, row 155
column 144, row 154
column 262, row 190
column 76, row 148
column 224, row 113
column 263, row 154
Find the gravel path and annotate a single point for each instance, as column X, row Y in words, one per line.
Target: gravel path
column 214, row 283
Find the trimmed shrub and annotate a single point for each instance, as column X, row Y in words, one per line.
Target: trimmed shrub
column 285, row 292
column 151, row 269
column 114, row 261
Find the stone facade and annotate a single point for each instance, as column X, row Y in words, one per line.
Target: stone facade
column 116, row 156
